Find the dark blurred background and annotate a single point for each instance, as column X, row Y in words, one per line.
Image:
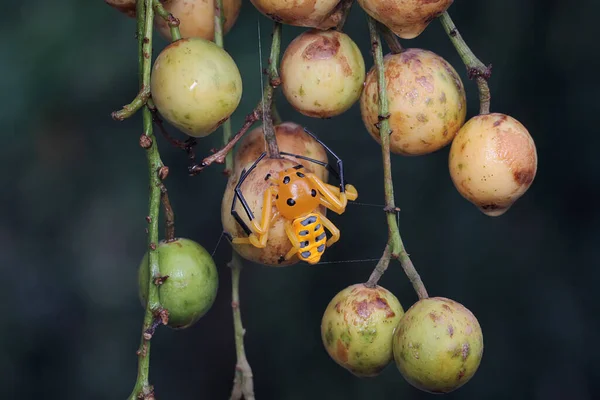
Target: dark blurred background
column 74, row 199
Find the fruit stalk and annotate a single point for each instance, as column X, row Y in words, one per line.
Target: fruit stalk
column 142, row 388
column 395, row 247
column 169, row 18
column 475, row 68
column 243, row 386
column 344, row 9
column 390, row 38
column 269, row 93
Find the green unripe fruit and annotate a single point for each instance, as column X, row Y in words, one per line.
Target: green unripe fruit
column 191, row 287
column 195, row 85
column 438, row 345
column 358, row 326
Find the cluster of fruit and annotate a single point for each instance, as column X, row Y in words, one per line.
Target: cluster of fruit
column 437, row 344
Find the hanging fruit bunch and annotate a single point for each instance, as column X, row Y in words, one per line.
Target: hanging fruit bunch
column 284, row 183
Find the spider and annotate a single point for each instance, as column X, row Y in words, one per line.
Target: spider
column 296, row 194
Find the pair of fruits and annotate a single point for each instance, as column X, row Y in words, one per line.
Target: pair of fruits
column 437, row 344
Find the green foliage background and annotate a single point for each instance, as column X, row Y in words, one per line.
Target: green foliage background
column 74, row 200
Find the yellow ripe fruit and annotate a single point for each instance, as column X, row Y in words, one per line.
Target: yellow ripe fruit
column 291, row 138
column 406, row 18
column 253, row 188
column 195, row 85
column 493, row 162
column 127, row 7
column 358, row 326
column 304, row 13
column 426, row 98
column 438, row 345
column 322, row 73
column 197, row 17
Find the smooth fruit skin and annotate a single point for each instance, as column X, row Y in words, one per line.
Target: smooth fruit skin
column 191, row 288
column 197, row 17
column 127, row 7
column 438, row 345
column 406, row 18
column 253, row 188
column 427, row 102
column 195, row 85
column 303, row 13
column 291, row 138
column 493, row 162
column 358, row 326
column 322, row 73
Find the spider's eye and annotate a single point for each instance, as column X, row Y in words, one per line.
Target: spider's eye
column 300, row 174
column 286, row 180
column 291, row 202
column 313, row 193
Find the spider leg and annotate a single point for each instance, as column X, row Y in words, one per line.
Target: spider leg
column 335, row 232
column 238, row 195
column 259, row 237
column 329, row 199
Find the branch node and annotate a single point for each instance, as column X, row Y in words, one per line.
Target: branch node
column 391, row 209
column 148, row 219
column 145, row 141
column 159, row 280
column 153, row 246
column 163, row 172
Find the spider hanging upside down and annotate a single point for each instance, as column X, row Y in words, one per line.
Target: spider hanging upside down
column 296, row 194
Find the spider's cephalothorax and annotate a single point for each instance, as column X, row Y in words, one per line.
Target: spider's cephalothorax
column 297, row 193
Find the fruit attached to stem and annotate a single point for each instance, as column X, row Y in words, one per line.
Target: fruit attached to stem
column 427, row 102
column 493, row 162
column 406, row 18
column 322, row 73
column 190, row 288
column 304, row 13
column 197, row 17
column 358, row 326
column 195, row 85
column 438, row 345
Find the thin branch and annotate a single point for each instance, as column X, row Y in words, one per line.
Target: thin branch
column 243, row 385
column 394, row 246
column 274, row 81
column 475, row 68
column 154, row 312
column 169, row 19
column 220, row 156
column 138, row 102
column 390, row 38
column 343, row 9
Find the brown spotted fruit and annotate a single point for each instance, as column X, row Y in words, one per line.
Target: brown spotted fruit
column 493, row 162
column 253, row 189
column 406, row 18
column 195, row 85
column 426, row 98
column 358, row 326
column 322, row 73
column 291, row 138
column 190, row 288
column 322, row 14
column 197, row 17
column 438, row 345
column 127, row 7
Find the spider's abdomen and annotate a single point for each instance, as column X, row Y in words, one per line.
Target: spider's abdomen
column 310, row 233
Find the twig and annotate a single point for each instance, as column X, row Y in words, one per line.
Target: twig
column 343, row 9
column 154, row 312
column 395, row 247
column 169, row 214
column 170, row 19
column 390, row 38
column 274, row 81
column 242, row 383
column 475, row 68
column 220, row 156
column 138, row 102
